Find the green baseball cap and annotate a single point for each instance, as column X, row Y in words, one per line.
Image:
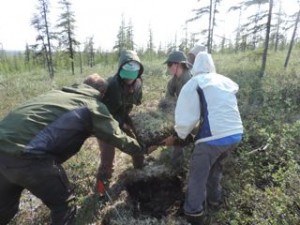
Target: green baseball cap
column 130, row 70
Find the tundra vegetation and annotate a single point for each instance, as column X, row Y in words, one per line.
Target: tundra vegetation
column 261, row 180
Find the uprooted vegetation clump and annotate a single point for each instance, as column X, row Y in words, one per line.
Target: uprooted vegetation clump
column 146, row 197
column 153, row 121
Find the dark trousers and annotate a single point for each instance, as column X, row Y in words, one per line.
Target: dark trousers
column 107, row 155
column 44, row 178
column 177, row 157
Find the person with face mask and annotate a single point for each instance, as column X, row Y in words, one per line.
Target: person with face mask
column 123, row 92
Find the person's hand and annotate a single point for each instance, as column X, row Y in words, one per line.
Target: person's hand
column 169, row 141
column 132, row 86
column 128, row 130
column 137, row 84
column 126, row 126
column 151, row 149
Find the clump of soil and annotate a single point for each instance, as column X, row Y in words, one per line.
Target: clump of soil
column 154, row 121
column 156, row 196
column 153, row 195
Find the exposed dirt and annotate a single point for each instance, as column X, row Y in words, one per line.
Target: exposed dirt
column 156, row 196
column 149, row 196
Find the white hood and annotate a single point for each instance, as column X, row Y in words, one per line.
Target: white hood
column 203, row 64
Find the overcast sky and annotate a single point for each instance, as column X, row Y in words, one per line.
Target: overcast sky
column 102, row 19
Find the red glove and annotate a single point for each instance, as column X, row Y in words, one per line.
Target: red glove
column 100, row 187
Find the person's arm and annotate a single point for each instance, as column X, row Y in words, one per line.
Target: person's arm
column 106, row 128
column 187, row 111
column 132, row 96
column 175, row 140
column 138, row 91
column 187, row 115
column 170, row 92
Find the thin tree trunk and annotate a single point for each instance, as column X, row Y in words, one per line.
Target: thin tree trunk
column 238, row 34
column 254, row 38
column 80, row 61
column 71, row 50
column 49, row 58
column 278, row 27
column 292, row 41
column 209, row 27
column 213, row 24
column 264, row 60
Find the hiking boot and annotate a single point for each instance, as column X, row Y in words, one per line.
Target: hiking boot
column 196, row 223
column 201, row 218
column 215, row 205
column 195, row 219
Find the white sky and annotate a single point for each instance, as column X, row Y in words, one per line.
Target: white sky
column 102, row 19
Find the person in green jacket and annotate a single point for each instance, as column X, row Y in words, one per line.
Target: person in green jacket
column 180, row 70
column 123, row 92
column 41, row 134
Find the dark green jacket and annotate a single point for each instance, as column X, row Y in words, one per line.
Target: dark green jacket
column 175, row 84
column 58, row 122
column 118, row 99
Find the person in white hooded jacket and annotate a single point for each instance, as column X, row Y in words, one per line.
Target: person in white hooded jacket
column 209, row 101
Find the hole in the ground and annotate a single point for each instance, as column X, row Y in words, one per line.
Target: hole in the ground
column 156, row 196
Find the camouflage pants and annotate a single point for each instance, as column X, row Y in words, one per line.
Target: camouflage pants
column 45, row 179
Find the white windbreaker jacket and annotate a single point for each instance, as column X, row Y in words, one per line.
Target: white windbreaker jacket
column 208, row 98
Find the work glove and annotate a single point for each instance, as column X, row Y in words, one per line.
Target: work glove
column 102, row 186
column 128, row 130
column 102, row 183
